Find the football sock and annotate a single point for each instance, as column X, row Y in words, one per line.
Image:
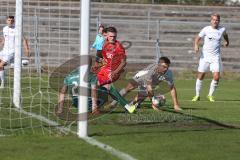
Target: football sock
column 114, row 92
column 122, row 92
column 213, row 87
column 198, row 87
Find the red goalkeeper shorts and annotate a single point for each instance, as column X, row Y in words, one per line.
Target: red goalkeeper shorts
column 104, row 76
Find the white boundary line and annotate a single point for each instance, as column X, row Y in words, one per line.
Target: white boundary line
column 89, row 140
column 113, row 151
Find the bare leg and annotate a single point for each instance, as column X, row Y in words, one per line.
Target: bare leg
column 175, row 99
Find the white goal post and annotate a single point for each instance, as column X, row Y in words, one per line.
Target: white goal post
column 18, row 54
column 84, row 51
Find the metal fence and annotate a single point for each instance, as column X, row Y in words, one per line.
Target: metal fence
column 177, row 2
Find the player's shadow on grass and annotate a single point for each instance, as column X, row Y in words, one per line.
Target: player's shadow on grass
column 220, row 124
column 69, row 114
column 148, row 132
column 197, row 124
column 168, row 107
column 113, row 111
column 190, row 108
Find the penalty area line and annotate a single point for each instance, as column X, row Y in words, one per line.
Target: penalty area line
column 89, row 140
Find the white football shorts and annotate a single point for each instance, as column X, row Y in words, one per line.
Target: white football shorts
column 6, row 56
column 214, row 65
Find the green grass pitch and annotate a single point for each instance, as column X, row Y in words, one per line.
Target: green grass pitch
column 203, row 130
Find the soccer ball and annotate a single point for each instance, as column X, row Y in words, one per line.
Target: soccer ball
column 25, row 62
column 159, row 100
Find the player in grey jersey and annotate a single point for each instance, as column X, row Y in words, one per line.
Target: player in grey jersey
column 147, row 79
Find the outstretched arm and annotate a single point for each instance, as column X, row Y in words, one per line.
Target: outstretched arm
column 174, row 98
column 62, row 93
column 119, row 68
column 61, row 97
column 225, row 36
column 94, row 43
column 151, row 95
column 196, row 44
column 26, row 47
column 150, row 91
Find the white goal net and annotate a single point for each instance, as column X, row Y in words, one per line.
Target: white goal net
column 52, row 30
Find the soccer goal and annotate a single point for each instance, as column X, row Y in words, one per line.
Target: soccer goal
column 52, row 30
column 29, row 98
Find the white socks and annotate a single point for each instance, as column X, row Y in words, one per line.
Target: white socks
column 122, row 92
column 198, row 87
column 213, row 87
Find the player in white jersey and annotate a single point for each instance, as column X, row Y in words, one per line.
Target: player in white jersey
column 211, row 55
column 149, row 78
column 8, row 43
